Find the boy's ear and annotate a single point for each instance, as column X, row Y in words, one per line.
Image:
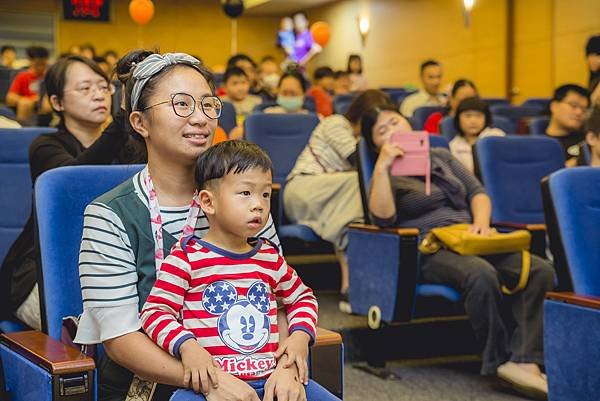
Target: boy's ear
column 207, row 202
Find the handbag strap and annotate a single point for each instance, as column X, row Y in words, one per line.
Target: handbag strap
column 523, row 278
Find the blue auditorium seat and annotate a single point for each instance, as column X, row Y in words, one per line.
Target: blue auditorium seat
column 505, row 124
column 421, row 114
column 496, row 101
column 540, row 103
column 397, row 94
column 341, row 103
column 227, row 121
column 448, row 130
column 538, row 125
column 515, row 113
column 8, row 113
column 572, row 320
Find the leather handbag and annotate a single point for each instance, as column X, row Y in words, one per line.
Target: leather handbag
column 457, row 238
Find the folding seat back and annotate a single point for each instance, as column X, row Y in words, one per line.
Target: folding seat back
column 422, row 113
column 227, row 121
column 538, row 125
column 496, row 101
column 341, row 103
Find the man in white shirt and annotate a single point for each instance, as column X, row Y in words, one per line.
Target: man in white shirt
column 431, row 77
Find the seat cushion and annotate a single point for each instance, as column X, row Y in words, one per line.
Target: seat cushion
column 437, row 290
column 11, row 326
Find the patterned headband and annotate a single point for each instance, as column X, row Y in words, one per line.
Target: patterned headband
column 151, row 66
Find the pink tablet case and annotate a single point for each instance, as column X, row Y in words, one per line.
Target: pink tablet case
column 416, row 160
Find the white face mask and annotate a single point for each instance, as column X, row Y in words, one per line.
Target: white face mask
column 271, row 81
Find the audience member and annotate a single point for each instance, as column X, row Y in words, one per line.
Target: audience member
column 237, row 87
column 355, row 69
column 269, row 74
column 595, row 92
column 87, row 50
column 25, row 88
column 342, row 83
column 80, row 93
column 567, row 114
column 103, row 64
column 286, row 37
column 141, row 229
column 174, row 319
column 244, row 62
column 592, row 52
column 458, row 197
column 462, row 89
column 111, row 58
column 322, row 189
column 290, row 94
column 592, row 136
column 323, row 82
column 9, row 55
column 429, row 95
column 473, row 120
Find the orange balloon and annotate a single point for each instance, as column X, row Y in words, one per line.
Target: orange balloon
column 320, row 32
column 141, row 11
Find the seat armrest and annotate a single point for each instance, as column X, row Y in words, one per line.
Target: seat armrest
column 403, row 232
column 575, row 299
column 520, row 226
column 327, row 337
column 52, row 355
column 327, row 361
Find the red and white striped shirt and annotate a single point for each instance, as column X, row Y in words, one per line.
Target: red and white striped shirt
column 228, row 303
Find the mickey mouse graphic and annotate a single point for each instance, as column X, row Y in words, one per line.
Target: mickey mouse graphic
column 243, row 324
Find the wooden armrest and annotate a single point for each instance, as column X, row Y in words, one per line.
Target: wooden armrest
column 575, row 299
column 276, row 186
column 403, row 232
column 52, row 355
column 327, row 337
column 521, row 226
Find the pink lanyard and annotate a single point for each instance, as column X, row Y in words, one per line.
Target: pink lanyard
column 156, row 220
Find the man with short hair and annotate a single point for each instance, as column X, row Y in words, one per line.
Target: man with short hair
column 567, row 115
column 430, row 94
column 24, row 90
column 9, row 55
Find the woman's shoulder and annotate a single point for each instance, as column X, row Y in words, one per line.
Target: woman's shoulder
column 60, row 137
column 124, row 194
column 334, row 121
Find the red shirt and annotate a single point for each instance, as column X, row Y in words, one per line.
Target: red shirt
column 432, row 124
column 323, row 102
column 27, row 84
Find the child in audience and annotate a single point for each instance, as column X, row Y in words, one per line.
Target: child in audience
column 269, row 74
column 214, row 302
column 355, row 69
column 290, row 94
column 320, row 91
column 473, row 120
column 462, row 89
column 237, row 86
column 286, row 37
column 342, row 84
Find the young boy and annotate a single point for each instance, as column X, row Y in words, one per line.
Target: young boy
column 214, row 302
column 324, row 81
column 237, row 87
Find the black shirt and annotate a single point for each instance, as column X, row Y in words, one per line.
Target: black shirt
column 18, row 273
column 571, row 144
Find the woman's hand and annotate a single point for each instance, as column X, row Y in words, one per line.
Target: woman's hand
column 387, row 154
column 231, row 389
column 481, row 229
column 284, row 384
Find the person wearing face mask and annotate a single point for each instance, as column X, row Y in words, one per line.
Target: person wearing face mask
column 290, row 94
column 472, row 121
column 80, row 93
column 269, row 75
column 322, row 189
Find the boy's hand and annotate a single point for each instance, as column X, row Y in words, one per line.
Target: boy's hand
column 198, row 367
column 296, row 349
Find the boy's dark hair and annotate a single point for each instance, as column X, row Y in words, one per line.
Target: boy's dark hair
column 469, row 104
column 7, row 47
column 323, row 72
column 37, row 52
column 234, row 72
column 562, row 91
column 429, row 63
column 593, row 123
column 230, row 156
column 296, row 75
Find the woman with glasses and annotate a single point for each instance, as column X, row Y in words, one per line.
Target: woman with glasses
column 132, row 228
column 80, row 93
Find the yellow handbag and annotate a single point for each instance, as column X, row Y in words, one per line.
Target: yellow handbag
column 457, row 238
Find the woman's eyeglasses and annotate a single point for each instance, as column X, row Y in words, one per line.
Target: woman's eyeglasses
column 185, row 104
